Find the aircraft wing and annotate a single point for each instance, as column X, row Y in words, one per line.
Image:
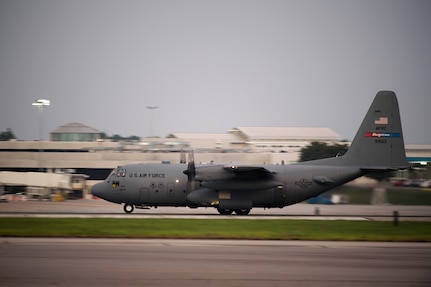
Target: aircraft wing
column 254, row 171
column 236, row 177
column 231, row 172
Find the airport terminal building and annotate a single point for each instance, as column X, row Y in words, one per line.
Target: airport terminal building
column 77, row 149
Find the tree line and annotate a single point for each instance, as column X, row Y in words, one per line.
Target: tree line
column 319, row 150
column 7, row 135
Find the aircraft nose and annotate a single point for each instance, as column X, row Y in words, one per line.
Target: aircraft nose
column 99, row 189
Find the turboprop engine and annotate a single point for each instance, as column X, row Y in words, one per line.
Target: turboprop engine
column 203, row 197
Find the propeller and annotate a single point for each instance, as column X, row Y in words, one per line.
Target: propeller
column 190, row 172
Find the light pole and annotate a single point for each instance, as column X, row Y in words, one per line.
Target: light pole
column 150, row 122
column 41, row 104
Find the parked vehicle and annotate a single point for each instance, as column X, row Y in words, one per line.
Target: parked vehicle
column 413, row 183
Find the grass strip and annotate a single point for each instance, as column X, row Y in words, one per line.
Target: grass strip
column 216, row 229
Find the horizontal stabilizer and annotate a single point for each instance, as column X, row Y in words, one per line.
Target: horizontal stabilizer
column 380, row 168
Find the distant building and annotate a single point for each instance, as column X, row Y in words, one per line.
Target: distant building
column 206, row 140
column 260, row 138
column 75, row 132
column 283, row 138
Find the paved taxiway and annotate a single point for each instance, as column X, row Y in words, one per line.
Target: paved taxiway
column 101, row 208
column 136, row 262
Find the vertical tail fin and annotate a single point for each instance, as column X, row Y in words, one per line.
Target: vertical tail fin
column 379, row 144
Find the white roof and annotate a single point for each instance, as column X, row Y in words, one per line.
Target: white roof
column 264, row 133
column 74, row 128
column 288, row 133
column 203, row 136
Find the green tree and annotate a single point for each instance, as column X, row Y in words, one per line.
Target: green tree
column 319, row 150
column 117, row 137
column 104, row 136
column 133, row 138
column 7, row 135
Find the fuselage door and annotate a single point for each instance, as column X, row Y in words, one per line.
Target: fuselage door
column 144, row 195
column 280, row 196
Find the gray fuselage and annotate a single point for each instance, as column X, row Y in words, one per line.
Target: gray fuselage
column 166, row 185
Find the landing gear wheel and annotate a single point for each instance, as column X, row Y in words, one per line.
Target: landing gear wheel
column 244, row 211
column 128, row 208
column 224, row 211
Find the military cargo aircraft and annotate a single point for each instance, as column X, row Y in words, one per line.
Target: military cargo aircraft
column 377, row 147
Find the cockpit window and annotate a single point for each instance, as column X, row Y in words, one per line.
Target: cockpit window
column 118, row 172
column 121, row 172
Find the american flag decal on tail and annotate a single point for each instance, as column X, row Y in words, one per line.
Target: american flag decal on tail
column 381, row 121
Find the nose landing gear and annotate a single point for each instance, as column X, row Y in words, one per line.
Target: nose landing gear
column 129, row 208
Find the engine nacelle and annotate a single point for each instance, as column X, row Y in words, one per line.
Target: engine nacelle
column 203, row 197
column 241, row 185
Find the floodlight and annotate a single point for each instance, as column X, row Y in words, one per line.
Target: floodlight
column 41, row 102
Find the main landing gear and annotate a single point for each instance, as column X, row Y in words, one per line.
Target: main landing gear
column 244, row 211
column 129, row 208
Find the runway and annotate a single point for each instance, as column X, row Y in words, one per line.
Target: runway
column 136, row 262
column 101, row 208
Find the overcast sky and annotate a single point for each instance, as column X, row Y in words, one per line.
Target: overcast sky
column 213, row 65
